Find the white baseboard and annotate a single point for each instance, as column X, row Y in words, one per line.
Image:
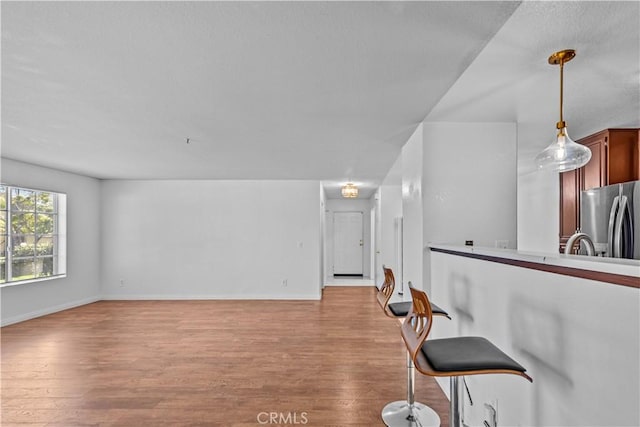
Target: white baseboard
column 347, row 284
column 48, row 310
column 128, row 297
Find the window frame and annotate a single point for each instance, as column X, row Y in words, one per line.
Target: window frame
column 57, row 235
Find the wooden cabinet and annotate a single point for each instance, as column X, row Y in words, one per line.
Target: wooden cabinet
column 594, row 173
column 615, row 158
column 569, row 213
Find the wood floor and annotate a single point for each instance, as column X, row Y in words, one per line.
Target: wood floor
column 334, row 362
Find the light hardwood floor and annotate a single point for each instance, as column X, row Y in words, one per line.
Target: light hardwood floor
column 334, row 362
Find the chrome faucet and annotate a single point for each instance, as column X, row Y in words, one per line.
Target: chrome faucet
column 577, row 237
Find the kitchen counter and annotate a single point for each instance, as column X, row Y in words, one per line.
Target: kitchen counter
column 573, row 321
column 618, row 271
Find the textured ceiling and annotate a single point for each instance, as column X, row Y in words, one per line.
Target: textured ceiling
column 264, row 90
column 512, row 81
column 299, row 90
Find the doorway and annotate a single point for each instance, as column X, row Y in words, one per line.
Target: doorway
column 348, row 242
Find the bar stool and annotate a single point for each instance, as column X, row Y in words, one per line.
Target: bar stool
column 405, row 412
column 451, row 357
column 399, row 310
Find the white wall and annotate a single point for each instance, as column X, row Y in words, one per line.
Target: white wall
column 538, row 211
column 81, row 286
column 469, row 184
column 323, row 242
column 375, row 266
column 211, row 239
column 390, row 194
column 349, row 205
column 538, row 195
column 579, row 340
column 412, row 210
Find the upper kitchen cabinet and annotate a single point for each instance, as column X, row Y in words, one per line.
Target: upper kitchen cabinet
column 594, row 173
column 615, row 158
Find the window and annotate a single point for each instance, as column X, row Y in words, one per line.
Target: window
column 32, row 234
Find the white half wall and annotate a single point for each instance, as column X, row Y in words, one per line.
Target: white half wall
column 579, row 339
column 211, row 239
column 81, row 285
column 469, row 185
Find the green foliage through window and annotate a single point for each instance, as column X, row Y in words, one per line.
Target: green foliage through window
column 29, row 221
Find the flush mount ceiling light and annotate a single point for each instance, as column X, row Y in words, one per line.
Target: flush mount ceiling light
column 564, row 154
column 350, row 191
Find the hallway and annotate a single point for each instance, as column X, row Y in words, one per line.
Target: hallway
column 349, row 281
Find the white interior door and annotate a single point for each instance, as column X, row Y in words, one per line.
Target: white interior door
column 347, row 243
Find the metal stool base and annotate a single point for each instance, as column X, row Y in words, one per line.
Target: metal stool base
column 398, row 414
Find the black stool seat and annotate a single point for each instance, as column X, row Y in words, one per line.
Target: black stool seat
column 401, row 309
column 467, row 354
column 451, row 357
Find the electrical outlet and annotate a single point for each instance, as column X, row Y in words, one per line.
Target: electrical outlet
column 502, row 244
column 284, row 283
column 122, row 283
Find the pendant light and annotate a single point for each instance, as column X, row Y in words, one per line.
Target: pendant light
column 564, row 154
column 350, row 191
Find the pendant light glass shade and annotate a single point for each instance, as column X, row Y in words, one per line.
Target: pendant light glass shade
column 564, row 154
column 350, row 191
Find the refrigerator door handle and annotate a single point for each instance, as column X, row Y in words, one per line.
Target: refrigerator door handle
column 612, row 222
column 621, row 247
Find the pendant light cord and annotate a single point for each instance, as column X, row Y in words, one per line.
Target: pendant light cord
column 561, row 123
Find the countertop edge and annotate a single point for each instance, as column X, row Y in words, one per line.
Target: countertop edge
column 614, row 271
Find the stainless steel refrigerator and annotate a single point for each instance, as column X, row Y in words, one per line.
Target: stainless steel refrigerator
column 611, row 217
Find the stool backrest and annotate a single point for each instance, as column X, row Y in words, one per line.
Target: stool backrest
column 417, row 325
column 386, row 289
column 415, row 330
